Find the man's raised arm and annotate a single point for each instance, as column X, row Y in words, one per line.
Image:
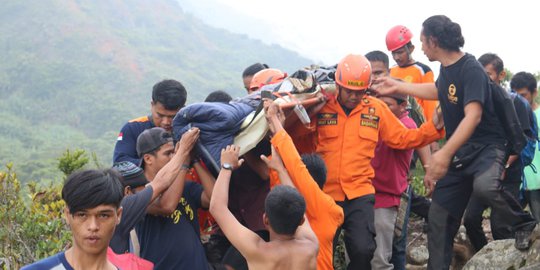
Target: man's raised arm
column 176, row 170
column 387, row 85
column 241, row 237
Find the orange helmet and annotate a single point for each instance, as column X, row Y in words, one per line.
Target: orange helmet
column 354, row 72
column 266, row 76
column 398, row 37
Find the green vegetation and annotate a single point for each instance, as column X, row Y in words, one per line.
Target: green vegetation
column 416, row 179
column 73, row 72
column 32, row 227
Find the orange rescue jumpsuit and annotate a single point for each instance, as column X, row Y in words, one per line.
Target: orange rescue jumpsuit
column 347, row 143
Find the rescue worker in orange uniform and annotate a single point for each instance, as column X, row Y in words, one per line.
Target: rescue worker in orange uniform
column 398, row 42
column 307, row 173
column 347, row 130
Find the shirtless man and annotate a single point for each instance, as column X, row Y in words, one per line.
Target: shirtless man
column 293, row 245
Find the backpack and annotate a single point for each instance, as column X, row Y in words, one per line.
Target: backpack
column 415, row 111
column 506, row 113
column 528, row 152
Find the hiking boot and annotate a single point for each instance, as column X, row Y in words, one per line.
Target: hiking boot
column 523, row 239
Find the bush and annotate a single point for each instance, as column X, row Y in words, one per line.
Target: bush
column 416, row 180
column 32, row 227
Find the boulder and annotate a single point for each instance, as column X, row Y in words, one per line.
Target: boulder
column 499, row 254
column 502, row 254
column 418, row 255
column 463, row 250
column 415, row 267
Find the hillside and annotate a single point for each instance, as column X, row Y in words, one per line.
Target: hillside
column 218, row 14
column 72, row 72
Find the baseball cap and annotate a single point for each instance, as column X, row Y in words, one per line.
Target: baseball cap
column 151, row 139
column 132, row 174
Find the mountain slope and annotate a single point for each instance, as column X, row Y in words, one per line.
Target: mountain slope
column 72, row 72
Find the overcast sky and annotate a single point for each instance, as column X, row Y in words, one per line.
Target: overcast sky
column 328, row 30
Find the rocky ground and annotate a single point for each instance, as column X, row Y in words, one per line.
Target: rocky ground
column 417, row 253
column 499, row 254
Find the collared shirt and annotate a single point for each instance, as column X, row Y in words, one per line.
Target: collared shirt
column 347, row 143
column 391, row 169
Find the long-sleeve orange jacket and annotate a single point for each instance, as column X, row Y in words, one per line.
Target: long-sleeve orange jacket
column 347, row 143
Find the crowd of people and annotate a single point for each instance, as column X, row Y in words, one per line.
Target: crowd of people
column 285, row 203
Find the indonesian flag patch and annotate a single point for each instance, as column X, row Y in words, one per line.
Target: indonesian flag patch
column 120, row 136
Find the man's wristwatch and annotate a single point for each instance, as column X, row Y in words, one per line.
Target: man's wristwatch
column 227, row 166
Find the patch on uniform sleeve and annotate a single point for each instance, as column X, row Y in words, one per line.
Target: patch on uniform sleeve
column 120, row 136
column 326, row 119
column 369, row 120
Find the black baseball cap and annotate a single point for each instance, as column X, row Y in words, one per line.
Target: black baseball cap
column 132, row 175
column 151, row 139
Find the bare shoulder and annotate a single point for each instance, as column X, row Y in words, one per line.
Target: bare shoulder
column 290, row 254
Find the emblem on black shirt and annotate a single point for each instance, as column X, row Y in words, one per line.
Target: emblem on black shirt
column 452, row 94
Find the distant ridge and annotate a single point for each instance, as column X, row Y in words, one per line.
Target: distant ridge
column 72, row 72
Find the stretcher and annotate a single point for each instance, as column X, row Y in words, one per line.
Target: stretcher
column 295, row 95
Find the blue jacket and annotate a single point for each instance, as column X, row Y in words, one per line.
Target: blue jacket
column 218, row 122
column 125, row 148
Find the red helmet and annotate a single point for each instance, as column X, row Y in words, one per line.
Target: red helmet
column 354, row 72
column 265, row 77
column 398, row 37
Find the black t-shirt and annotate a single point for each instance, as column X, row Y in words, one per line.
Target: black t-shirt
column 461, row 83
column 133, row 211
column 173, row 242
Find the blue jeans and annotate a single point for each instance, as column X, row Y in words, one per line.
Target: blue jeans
column 399, row 247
